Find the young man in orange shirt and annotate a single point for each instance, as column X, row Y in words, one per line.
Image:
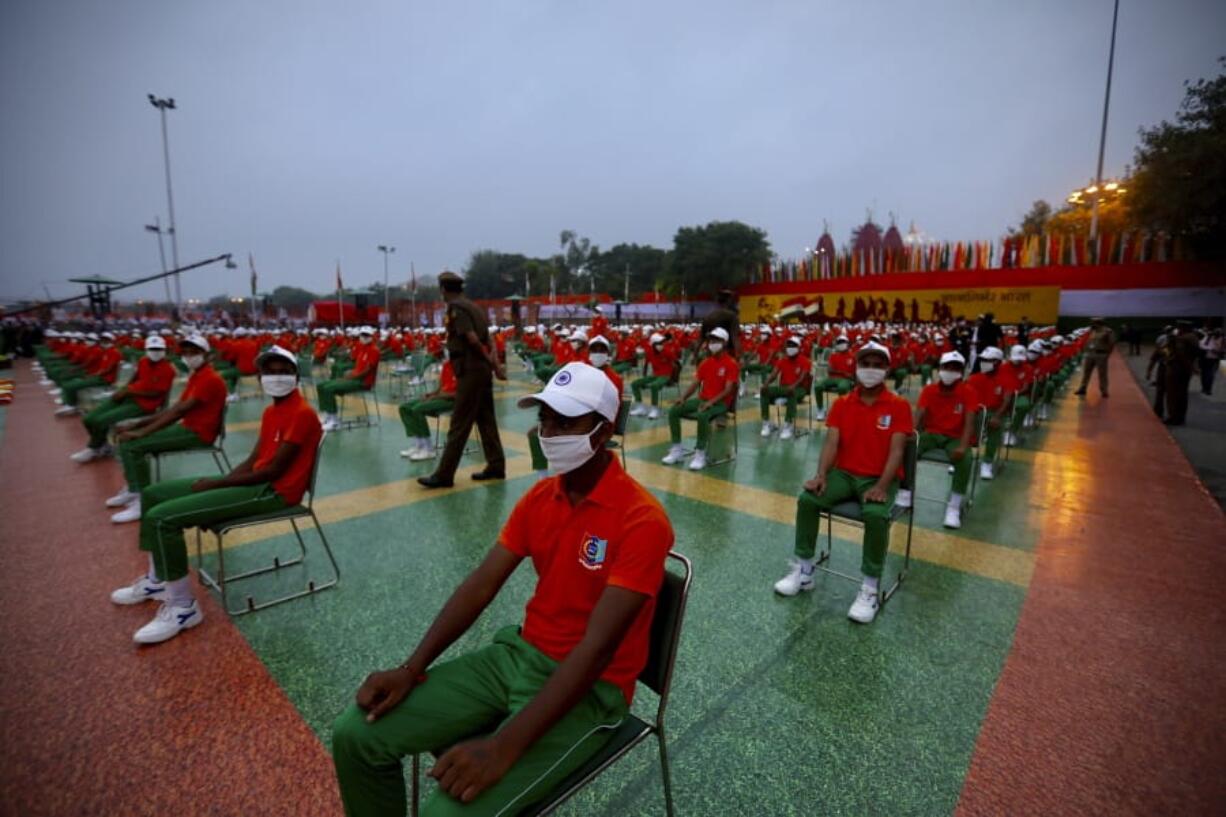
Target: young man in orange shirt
column 360, row 378
column 716, row 382
column 793, row 371
column 273, row 477
column 416, row 414
column 523, row 713
column 861, row 459
column 665, row 367
column 945, row 419
column 840, row 374
column 194, row 421
column 992, row 387
column 145, row 393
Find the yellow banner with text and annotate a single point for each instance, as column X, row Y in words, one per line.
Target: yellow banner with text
column 1008, row 304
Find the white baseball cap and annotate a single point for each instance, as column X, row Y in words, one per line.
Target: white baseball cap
column 1017, row 353
column 599, row 339
column 991, row 353
column 577, row 389
column 873, row 346
column 655, row 338
column 719, row 332
column 155, row 342
column 277, row 351
column 197, row 340
column 953, row 357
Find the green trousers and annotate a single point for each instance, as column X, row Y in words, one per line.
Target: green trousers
column 992, row 436
column 772, row 393
column 466, row 697
column 838, row 385
column 925, row 370
column 1021, row 409
column 840, row 487
column 169, row 507
column 329, row 389
column 899, row 375
column 624, row 366
column 416, row 414
column 106, row 414
column 339, row 367
column 72, row 388
column 929, row 441
column 689, row 410
column 229, row 374
column 544, row 372
column 654, row 383
column 755, row 368
column 134, row 454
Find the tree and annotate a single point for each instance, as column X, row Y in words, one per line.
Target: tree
column 492, row 274
column 1180, row 182
column 1114, row 216
column 1035, row 221
column 292, row 298
column 646, row 264
column 719, row 255
column 576, row 253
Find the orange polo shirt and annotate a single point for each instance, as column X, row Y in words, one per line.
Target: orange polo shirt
column 447, row 382
column 945, row 409
column 365, row 363
column 865, row 430
column 841, row 364
column 106, row 364
column 289, row 420
column 152, row 377
column 715, row 373
column 792, row 369
column 618, row 535
column 614, row 378
column 205, row 385
column 662, row 362
column 989, row 388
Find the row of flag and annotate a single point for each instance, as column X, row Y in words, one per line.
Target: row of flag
column 1015, row 252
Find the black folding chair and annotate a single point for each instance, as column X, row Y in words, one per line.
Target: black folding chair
column 657, row 675
column 217, row 449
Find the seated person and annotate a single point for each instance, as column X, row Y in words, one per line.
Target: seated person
column 840, row 374
column 194, row 421
column 1020, row 373
column 416, row 414
column 272, row 478
column 361, row 377
column 992, row 389
column 101, row 372
column 716, row 383
column 861, row 459
column 144, row 394
column 665, row 367
column 945, row 419
column 793, row 373
column 519, row 715
column 760, row 355
column 598, row 358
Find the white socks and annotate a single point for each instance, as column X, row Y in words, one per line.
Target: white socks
column 179, row 592
column 806, row 566
column 152, row 574
column 955, row 501
column 871, row 583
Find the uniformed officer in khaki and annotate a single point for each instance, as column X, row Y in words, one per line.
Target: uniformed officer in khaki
column 476, row 363
column 1098, row 351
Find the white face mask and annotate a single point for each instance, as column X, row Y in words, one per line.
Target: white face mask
column 1032, row 356
column 364, row 339
column 949, row 378
column 640, row 351
column 793, row 351
column 567, row 452
column 278, row 385
column 870, row 378
column 599, row 359
column 715, row 348
column 193, row 362
column 987, row 367
column 659, row 348
column 840, row 347
column 155, row 354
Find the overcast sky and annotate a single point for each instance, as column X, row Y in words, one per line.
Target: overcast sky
column 309, row 132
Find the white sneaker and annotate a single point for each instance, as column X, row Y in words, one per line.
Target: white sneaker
column 953, row 516
column 821, row 414
column 767, row 429
column 741, row 391
column 56, row 392
column 122, row 498
column 143, row 589
column 86, row 455
column 864, row 608
column 903, row 498
column 1010, row 439
column 59, row 401
column 332, row 424
column 66, row 411
column 698, row 461
column 421, row 454
column 46, row 381
column 795, row 581
column 985, row 471
column 674, row 455
column 951, row 469
column 128, row 514
column 232, row 398
column 654, row 414
column 409, row 452
column 787, row 433
column 168, row 623
column 639, row 410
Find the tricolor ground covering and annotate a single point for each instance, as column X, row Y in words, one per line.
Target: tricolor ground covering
column 1058, row 654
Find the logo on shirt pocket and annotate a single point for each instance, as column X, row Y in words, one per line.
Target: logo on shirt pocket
column 592, row 551
column 883, row 422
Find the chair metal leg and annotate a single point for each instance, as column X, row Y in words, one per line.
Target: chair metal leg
column 416, row 785
column 665, row 772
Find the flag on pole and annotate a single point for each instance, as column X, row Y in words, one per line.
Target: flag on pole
column 412, row 278
column 251, row 263
column 340, row 288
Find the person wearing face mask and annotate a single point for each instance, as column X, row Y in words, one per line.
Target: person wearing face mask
column 144, row 394
column 1020, row 375
column 992, row 389
column 546, row 694
column 598, row 358
column 716, row 382
column 945, row 419
column 416, row 414
column 193, row 421
column 840, row 374
column 361, row 377
column 861, row 459
column 793, row 373
column 100, row 372
column 273, row 477
column 664, row 366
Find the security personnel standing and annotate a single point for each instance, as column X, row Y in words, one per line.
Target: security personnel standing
column 1098, row 351
column 1185, row 350
column 472, row 356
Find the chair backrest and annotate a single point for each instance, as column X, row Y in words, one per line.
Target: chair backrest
column 623, row 416
column 319, row 453
column 221, row 429
column 910, row 457
column 657, row 673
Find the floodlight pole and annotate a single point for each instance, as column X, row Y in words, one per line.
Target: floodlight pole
column 387, row 309
column 156, row 227
column 1102, row 139
column 162, row 105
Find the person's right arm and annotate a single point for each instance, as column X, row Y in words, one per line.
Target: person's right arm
column 383, row 691
column 830, row 448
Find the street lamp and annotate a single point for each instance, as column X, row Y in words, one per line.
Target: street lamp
column 385, row 249
column 163, row 105
column 1102, row 140
column 156, row 227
